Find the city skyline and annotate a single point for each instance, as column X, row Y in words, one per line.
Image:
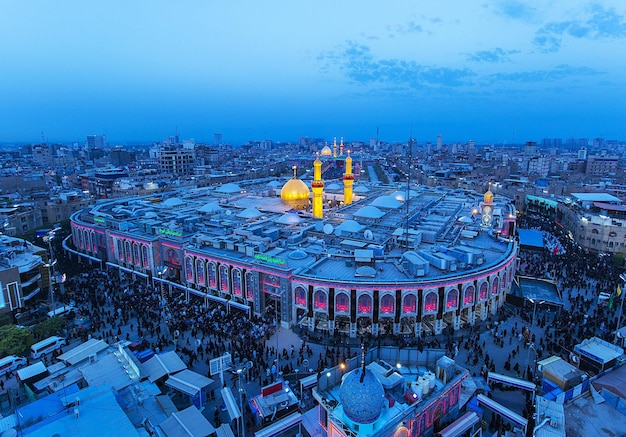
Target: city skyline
column 495, row 71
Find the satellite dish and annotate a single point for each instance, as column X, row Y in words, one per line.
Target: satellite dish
column 228, row 212
column 319, row 226
column 328, row 229
column 368, row 235
column 338, row 232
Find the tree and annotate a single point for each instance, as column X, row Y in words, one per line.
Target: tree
column 14, row 340
column 51, row 326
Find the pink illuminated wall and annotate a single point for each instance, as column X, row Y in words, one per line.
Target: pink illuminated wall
column 430, row 303
column 300, row 296
column 387, row 304
column 320, row 300
column 410, row 304
column 342, row 303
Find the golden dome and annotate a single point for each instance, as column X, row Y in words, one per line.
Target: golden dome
column 326, row 151
column 295, row 193
column 488, row 198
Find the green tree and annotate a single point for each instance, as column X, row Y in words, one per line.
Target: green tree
column 51, row 326
column 14, row 340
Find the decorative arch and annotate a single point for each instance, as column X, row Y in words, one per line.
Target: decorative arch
column 452, row 299
column 342, row 302
column 364, row 304
column 251, row 285
column 120, row 249
column 224, row 278
column 237, row 291
column 503, row 283
column 136, row 254
column 127, row 250
column 189, row 269
column 212, row 274
column 320, row 300
column 468, row 296
column 299, row 296
column 431, row 302
column 387, row 304
column 145, row 256
column 409, row 304
column 483, row 291
column 495, row 286
column 200, row 277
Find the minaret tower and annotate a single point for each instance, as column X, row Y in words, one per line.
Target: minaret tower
column 335, row 147
column 317, row 185
column 348, row 180
column 341, row 147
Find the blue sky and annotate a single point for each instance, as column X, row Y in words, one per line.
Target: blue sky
column 492, row 71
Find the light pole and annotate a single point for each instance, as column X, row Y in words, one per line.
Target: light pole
column 534, row 301
column 51, row 262
column 243, row 422
column 621, row 307
column 530, row 346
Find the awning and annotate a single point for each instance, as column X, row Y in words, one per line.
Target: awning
column 234, row 412
column 83, row 351
column 188, row 382
column 189, row 422
column 163, row 364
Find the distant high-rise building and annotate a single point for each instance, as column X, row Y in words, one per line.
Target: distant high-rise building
column 177, row 162
column 439, row 142
column 530, row 148
column 217, row 139
column 601, row 165
column 582, row 153
column 96, row 142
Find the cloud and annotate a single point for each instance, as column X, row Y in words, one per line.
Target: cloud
column 601, row 23
column 495, row 55
column 559, row 72
column 517, row 10
column 360, row 66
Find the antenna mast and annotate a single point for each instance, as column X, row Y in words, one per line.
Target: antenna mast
column 408, row 190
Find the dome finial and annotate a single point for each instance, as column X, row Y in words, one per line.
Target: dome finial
column 295, row 171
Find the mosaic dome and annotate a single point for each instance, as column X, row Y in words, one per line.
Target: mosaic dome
column 326, row 151
column 362, row 401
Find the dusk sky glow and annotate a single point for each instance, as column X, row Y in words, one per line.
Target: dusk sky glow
column 493, row 71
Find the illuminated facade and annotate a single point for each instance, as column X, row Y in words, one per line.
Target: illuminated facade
column 416, row 394
column 360, row 269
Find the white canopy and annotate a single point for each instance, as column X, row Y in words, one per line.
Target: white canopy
column 189, row 422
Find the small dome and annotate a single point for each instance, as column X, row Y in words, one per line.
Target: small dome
column 326, row 151
column 249, row 213
column 351, row 226
column 298, row 254
column 387, row 202
column 295, row 193
column 365, row 271
column 210, row 207
column 173, row 202
column 229, row 188
column 362, row 401
column 361, row 189
column 369, row 212
column 289, row 219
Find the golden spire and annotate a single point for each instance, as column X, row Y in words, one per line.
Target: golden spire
column 341, row 147
column 295, row 171
column 335, row 147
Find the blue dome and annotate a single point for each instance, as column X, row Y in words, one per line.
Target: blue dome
column 362, row 401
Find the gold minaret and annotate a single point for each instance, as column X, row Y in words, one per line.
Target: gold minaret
column 348, row 180
column 317, row 185
column 341, row 147
column 335, row 147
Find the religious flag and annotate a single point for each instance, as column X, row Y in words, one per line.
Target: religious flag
column 619, row 290
column 611, row 301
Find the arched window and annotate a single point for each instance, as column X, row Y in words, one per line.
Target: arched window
column 410, row 304
column 484, row 289
column 387, row 304
column 224, row 280
column 364, row 304
column 468, row 296
column 452, row 300
column 320, row 300
column 200, row 271
column 495, row 286
column 430, row 303
column 504, row 278
column 594, row 231
column 237, row 282
column 212, row 272
column 299, row 296
column 342, row 302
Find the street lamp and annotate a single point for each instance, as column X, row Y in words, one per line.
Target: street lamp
column 530, row 346
column 243, row 422
column 160, row 271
